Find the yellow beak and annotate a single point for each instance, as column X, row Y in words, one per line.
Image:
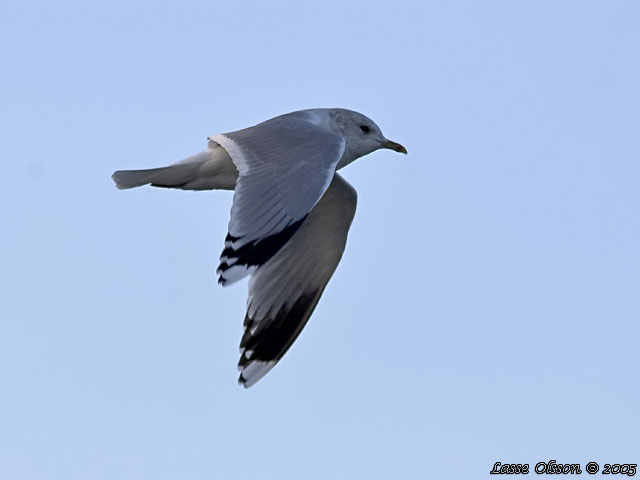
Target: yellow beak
column 394, row 146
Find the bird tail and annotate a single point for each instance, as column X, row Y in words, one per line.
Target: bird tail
column 210, row 169
column 173, row 176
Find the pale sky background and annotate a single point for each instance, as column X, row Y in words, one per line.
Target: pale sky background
column 487, row 305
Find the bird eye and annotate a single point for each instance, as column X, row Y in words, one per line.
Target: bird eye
column 365, row 129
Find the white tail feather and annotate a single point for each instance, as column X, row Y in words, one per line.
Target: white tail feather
column 211, row 169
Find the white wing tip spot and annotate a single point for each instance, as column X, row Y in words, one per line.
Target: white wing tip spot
column 235, row 273
column 254, row 371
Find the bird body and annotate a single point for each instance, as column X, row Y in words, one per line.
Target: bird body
column 290, row 216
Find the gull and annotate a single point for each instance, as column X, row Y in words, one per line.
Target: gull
column 290, row 216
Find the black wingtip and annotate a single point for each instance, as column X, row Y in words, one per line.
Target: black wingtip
column 257, row 252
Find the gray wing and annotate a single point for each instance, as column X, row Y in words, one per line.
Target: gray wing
column 285, row 165
column 285, row 290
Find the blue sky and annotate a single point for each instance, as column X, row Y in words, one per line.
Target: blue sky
column 487, row 305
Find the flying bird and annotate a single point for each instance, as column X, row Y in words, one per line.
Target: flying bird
column 290, row 215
